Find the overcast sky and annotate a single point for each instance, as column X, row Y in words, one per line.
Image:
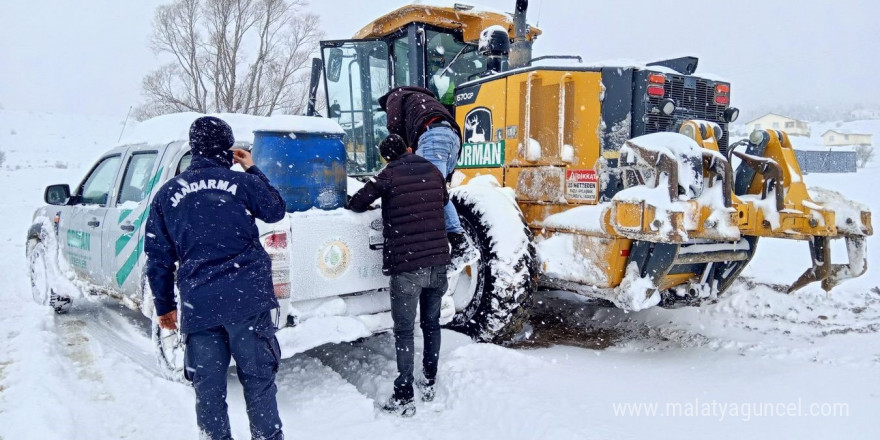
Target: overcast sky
column 88, row 56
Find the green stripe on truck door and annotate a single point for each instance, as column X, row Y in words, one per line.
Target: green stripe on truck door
column 129, row 264
column 123, row 239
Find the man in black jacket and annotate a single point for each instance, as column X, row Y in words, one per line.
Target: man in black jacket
column 414, row 114
column 415, row 254
column 201, row 232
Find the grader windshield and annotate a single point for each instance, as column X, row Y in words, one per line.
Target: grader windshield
column 358, row 72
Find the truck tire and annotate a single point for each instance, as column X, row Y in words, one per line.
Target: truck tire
column 504, row 282
column 168, row 345
column 40, row 272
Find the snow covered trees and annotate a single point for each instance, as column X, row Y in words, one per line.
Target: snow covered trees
column 242, row 56
column 864, row 154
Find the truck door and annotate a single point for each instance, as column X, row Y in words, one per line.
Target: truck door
column 80, row 225
column 356, row 74
column 126, row 218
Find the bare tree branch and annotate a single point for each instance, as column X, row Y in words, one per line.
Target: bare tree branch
column 244, row 56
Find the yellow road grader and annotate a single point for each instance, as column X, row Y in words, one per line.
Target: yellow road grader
column 625, row 178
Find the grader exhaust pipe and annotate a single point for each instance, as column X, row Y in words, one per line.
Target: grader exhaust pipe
column 521, row 49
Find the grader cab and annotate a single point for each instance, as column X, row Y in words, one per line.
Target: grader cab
column 624, row 174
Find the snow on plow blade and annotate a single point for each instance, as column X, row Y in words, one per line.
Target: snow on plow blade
column 684, row 205
column 676, row 190
column 767, row 195
column 688, row 220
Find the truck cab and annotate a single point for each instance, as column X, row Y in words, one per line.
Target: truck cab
column 99, row 226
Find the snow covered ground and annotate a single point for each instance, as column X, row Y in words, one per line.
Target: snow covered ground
column 758, row 364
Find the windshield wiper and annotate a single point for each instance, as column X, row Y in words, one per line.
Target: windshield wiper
column 466, row 46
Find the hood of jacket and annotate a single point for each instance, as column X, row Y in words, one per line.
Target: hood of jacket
column 383, row 100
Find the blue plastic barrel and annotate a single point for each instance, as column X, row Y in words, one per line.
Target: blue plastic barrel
column 307, row 168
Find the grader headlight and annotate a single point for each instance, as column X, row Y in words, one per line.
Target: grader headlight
column 730, row 115
column 667, row 106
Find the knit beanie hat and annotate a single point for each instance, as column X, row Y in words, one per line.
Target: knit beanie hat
column 392, row 147
column 210, row 136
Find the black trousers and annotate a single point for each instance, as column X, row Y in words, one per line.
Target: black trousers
column 422, row 289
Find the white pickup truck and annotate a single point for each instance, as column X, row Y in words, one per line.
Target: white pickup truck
column 88, row 242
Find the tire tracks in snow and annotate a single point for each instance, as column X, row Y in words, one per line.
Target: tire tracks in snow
column 114, row 370
column 120, row 329
column 75, row 345
column 752, row 318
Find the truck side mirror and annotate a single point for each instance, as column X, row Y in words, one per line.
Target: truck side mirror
column 57, row 194
column 334, row 64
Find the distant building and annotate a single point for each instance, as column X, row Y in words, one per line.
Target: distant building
column 834, row 138
column 794, row 127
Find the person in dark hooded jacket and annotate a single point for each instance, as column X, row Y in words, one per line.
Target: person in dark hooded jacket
column 415, row 114
column 416, row 253
column 203, row 221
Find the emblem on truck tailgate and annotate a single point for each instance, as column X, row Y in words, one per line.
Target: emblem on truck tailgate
column 333, row 258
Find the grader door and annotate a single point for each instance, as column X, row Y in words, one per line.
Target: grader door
column 356, row 74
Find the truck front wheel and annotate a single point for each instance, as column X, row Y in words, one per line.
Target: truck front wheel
column 40, row 273
column 169, row 347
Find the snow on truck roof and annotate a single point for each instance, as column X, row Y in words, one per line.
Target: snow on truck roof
column 470, row 18
column 466, row 6
column 175, row 127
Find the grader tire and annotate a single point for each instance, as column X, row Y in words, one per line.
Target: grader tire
column 505, row 283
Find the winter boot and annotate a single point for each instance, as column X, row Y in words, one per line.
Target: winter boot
column 401, row 403
column 427, row 388
column 463, row 252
